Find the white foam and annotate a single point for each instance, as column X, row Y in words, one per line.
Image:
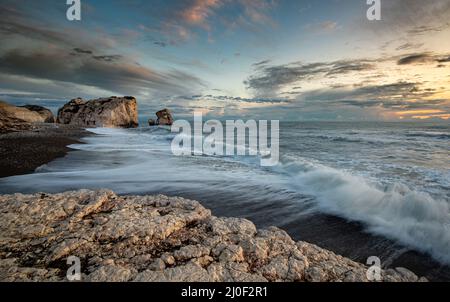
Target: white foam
column 397, row 212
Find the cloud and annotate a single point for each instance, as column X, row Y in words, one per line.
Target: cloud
column 182, row 18
column 414, row 59
column 425, row 29
column 274, row 77
column 261, row 63
column 160, row 43
column 238, row 99
column 409, row 45
column 113, row 73
column 322, row 27
column 423, row 58
column 410, row 16
column 108, row 58
column 362, row 95
column 71, row 57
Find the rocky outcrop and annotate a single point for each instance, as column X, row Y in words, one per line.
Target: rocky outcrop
column 14, row 118
column 46, row 114
column 154, row 238
column 113, row 112
column 165, row 118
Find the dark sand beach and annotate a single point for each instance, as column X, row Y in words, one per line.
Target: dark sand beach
column 23, row 152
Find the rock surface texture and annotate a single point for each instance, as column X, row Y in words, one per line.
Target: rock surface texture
column 154, row 238
column 46, row 114
column 14, row 118
column 165, row 118
column 113, row 112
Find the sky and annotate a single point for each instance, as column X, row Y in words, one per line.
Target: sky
column 300, row 60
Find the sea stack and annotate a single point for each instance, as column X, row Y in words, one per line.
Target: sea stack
column 165, row 118
column 113, row 112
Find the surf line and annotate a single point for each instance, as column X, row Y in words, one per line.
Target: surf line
column 208, row 139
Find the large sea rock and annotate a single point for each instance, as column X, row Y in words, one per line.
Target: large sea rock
column 113, row 112
column 155, row 238
column 14, row 118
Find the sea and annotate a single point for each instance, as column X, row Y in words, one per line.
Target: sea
column 360, row 189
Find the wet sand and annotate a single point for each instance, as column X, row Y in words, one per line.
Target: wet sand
column 23, row 152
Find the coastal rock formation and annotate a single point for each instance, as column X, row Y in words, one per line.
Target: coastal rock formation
column 154, row 238
column 165, row 117
column 14, row 118
column 12, row 124
column 113, row 112
column 46, row 114
column 152, row 122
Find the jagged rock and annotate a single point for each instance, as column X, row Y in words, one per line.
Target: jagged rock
column 46, row 114
column 113, row 112
column 152, row 122
column 164, row 118
column 155, row 238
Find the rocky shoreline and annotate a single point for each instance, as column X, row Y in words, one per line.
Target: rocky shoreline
column 155, row 238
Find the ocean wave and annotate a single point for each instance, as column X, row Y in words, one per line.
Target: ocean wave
column 410, row 217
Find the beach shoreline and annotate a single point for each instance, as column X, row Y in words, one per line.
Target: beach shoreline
column 24, row 151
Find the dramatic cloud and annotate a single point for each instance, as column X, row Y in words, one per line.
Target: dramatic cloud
column 274, row 77
column 113, row 73
column 67, row 56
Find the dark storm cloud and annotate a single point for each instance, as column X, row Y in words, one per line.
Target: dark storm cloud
column 274, row 77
